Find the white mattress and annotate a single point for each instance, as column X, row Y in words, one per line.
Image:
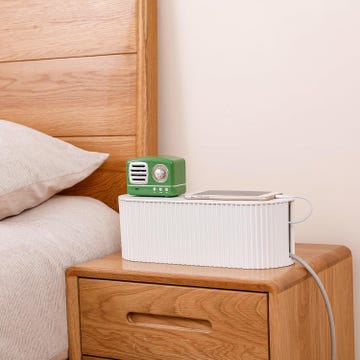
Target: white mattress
column 36, row 247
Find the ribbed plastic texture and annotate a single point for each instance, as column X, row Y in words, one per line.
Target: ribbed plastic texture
column 234, row 234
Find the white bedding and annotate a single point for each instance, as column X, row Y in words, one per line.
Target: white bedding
column 36, row 247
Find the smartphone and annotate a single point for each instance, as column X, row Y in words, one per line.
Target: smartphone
column 233, row 195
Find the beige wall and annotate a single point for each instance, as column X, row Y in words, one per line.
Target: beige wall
column 266, row 95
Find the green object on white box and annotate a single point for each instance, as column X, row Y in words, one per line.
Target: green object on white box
column 156, row 176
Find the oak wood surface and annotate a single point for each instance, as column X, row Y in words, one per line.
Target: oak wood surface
column 104, row 185
column 37, row 29
column 297, row 321
column 119, row 148
column 73, row 317
column 319, row 256
column 147, row 77
column 94, row 358
column 144, row 321
column 71, row 97
column 299, row 327
column 84, row 68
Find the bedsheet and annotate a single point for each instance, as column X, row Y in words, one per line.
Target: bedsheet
column 36, row 247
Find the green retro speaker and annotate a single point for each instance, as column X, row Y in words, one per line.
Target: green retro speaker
column 156, row 176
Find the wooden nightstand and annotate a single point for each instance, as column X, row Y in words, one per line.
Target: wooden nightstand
column 138, row 311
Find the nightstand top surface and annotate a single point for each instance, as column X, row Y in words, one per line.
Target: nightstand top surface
column 113, row 267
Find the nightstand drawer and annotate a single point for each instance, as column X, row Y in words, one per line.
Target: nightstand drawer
column 137, row 321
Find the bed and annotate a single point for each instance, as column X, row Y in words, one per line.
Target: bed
column 83, row 71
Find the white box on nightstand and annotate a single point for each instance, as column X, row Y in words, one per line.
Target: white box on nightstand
column 235, row 234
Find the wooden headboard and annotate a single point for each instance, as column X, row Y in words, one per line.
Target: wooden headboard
column 84, row 71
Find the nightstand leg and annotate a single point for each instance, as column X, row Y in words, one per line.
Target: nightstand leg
column 73, row 317
column 299, row 327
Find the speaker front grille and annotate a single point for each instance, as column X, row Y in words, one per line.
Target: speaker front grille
column 138, row 172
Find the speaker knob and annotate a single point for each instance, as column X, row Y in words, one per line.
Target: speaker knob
column 160, row 173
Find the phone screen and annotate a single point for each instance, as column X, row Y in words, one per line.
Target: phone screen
column 232, row 193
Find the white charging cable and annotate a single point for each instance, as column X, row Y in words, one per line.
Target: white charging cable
column 314, row 275
column 301, row 198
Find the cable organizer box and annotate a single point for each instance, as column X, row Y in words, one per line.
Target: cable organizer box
column 233, row 234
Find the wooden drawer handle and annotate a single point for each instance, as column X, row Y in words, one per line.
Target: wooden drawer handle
column 169, row 322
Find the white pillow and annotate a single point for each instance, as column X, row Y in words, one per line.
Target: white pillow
column 35, row 166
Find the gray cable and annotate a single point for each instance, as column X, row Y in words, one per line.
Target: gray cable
column 326, row 299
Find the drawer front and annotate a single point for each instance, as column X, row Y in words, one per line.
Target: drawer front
column 137, row 321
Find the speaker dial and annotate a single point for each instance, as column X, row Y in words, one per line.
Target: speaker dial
column 160, row 173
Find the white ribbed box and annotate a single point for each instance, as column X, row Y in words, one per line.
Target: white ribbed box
column 234, row 234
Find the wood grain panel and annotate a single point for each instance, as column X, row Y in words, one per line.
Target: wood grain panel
column 120, row 149
column 299, row 327
column 320, row 256
column 104, row 185
column 38, row 29
column 71, row 97
column 73, row 317
column 147, row 77
column 237, row 322
column 107, row 183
